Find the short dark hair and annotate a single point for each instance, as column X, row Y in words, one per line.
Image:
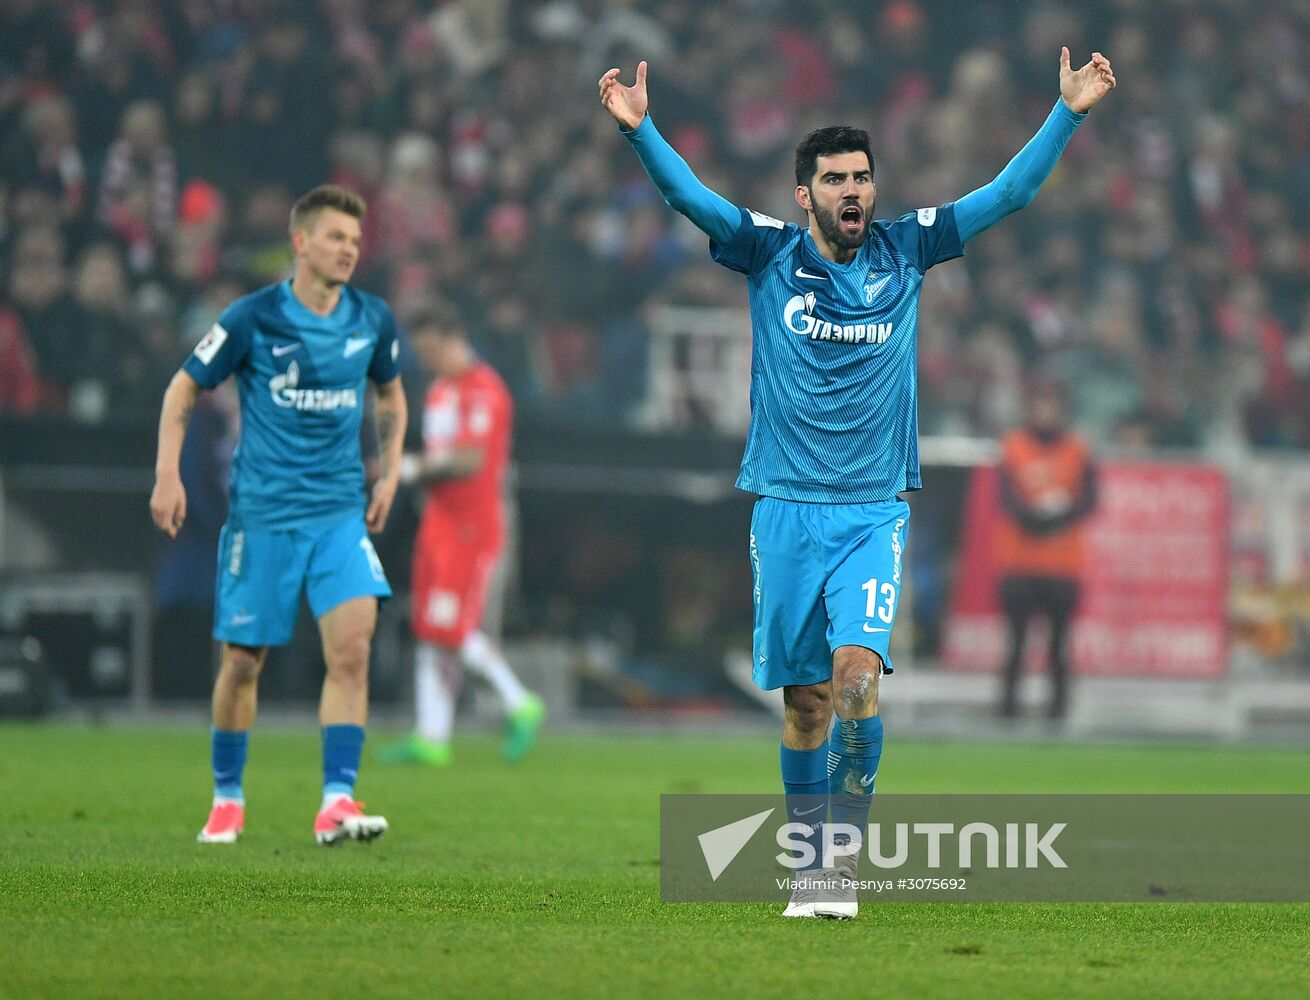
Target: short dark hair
column 325, row 196
column 829, row 141
column 439, row 317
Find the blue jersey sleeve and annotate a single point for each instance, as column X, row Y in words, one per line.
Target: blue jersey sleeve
column 386, row 352
column 1019, row 182
column 754, row 242
column 713, row 214
column 223, row 348
column 927, row 237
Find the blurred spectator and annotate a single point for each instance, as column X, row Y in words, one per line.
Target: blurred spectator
column 155, row 320
column 46, row 157
column 124, row 55
column 1165, row 262
column 413, row 213
column 198, row 132
column 1047, row 491
column 38, row 284
column 138, row 184
column 259, row 250
column 114, row 374
column 359, row 163
column 20, row 390
column 196, row 247
column 34, row 43
column 286, row 116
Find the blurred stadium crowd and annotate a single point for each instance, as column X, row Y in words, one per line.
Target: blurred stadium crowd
column 151, row 151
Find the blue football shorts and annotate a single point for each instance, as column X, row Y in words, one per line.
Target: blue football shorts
column 826, row 575
column 261, row 573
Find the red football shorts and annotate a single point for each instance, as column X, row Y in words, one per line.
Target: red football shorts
column 453, row 567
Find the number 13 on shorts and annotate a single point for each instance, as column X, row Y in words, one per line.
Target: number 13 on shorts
column 863, row 594
column 881, row 603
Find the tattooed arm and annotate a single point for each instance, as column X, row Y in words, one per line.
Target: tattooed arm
column 390, row 415
column 168, row 501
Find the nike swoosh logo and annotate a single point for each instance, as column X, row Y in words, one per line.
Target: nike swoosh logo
column 867, row 780
column 802, row 273
column 356, row 344
column 868, row 628
column 239, row 620
column 285, row 349
column 806, row 812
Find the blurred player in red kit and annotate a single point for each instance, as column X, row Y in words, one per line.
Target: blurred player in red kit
column 467, row 418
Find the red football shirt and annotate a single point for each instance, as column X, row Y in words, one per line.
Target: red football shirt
column 473, row 410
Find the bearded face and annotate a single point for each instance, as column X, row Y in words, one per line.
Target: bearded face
column 845, row 228
column 842, row 197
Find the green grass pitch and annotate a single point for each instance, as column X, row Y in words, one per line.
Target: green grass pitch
column 541, row 879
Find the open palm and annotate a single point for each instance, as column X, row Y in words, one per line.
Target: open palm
column 627, row 104
column 1082, row 88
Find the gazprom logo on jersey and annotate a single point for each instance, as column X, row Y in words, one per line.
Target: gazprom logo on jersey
column 284, row 392
column 799, row 316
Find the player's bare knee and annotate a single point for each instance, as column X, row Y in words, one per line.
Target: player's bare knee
column 242, row 663
column 347, row 660
column 858, row 697
column 855, row 674
column 808, row 707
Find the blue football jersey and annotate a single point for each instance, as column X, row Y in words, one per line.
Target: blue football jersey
column 301, row 379
column 834, row 397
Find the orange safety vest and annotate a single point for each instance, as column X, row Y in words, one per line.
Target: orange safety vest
column 1044, row 476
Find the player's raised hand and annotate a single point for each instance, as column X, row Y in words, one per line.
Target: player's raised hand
column 627, row 104
column 168, row 505
column 1082, row 88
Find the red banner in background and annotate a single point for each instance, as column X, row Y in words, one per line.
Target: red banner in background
column 1155, row 583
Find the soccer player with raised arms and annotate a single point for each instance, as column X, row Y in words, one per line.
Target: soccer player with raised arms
column 301, row 351
column 833, row 436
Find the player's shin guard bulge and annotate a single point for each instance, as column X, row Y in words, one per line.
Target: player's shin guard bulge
column 855, row 750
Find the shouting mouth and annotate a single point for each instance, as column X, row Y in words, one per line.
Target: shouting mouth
column 851, row 218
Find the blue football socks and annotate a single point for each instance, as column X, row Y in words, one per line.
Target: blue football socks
column 805, row 780
column 855, row 747
column 342, row 746
column 228, row 757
